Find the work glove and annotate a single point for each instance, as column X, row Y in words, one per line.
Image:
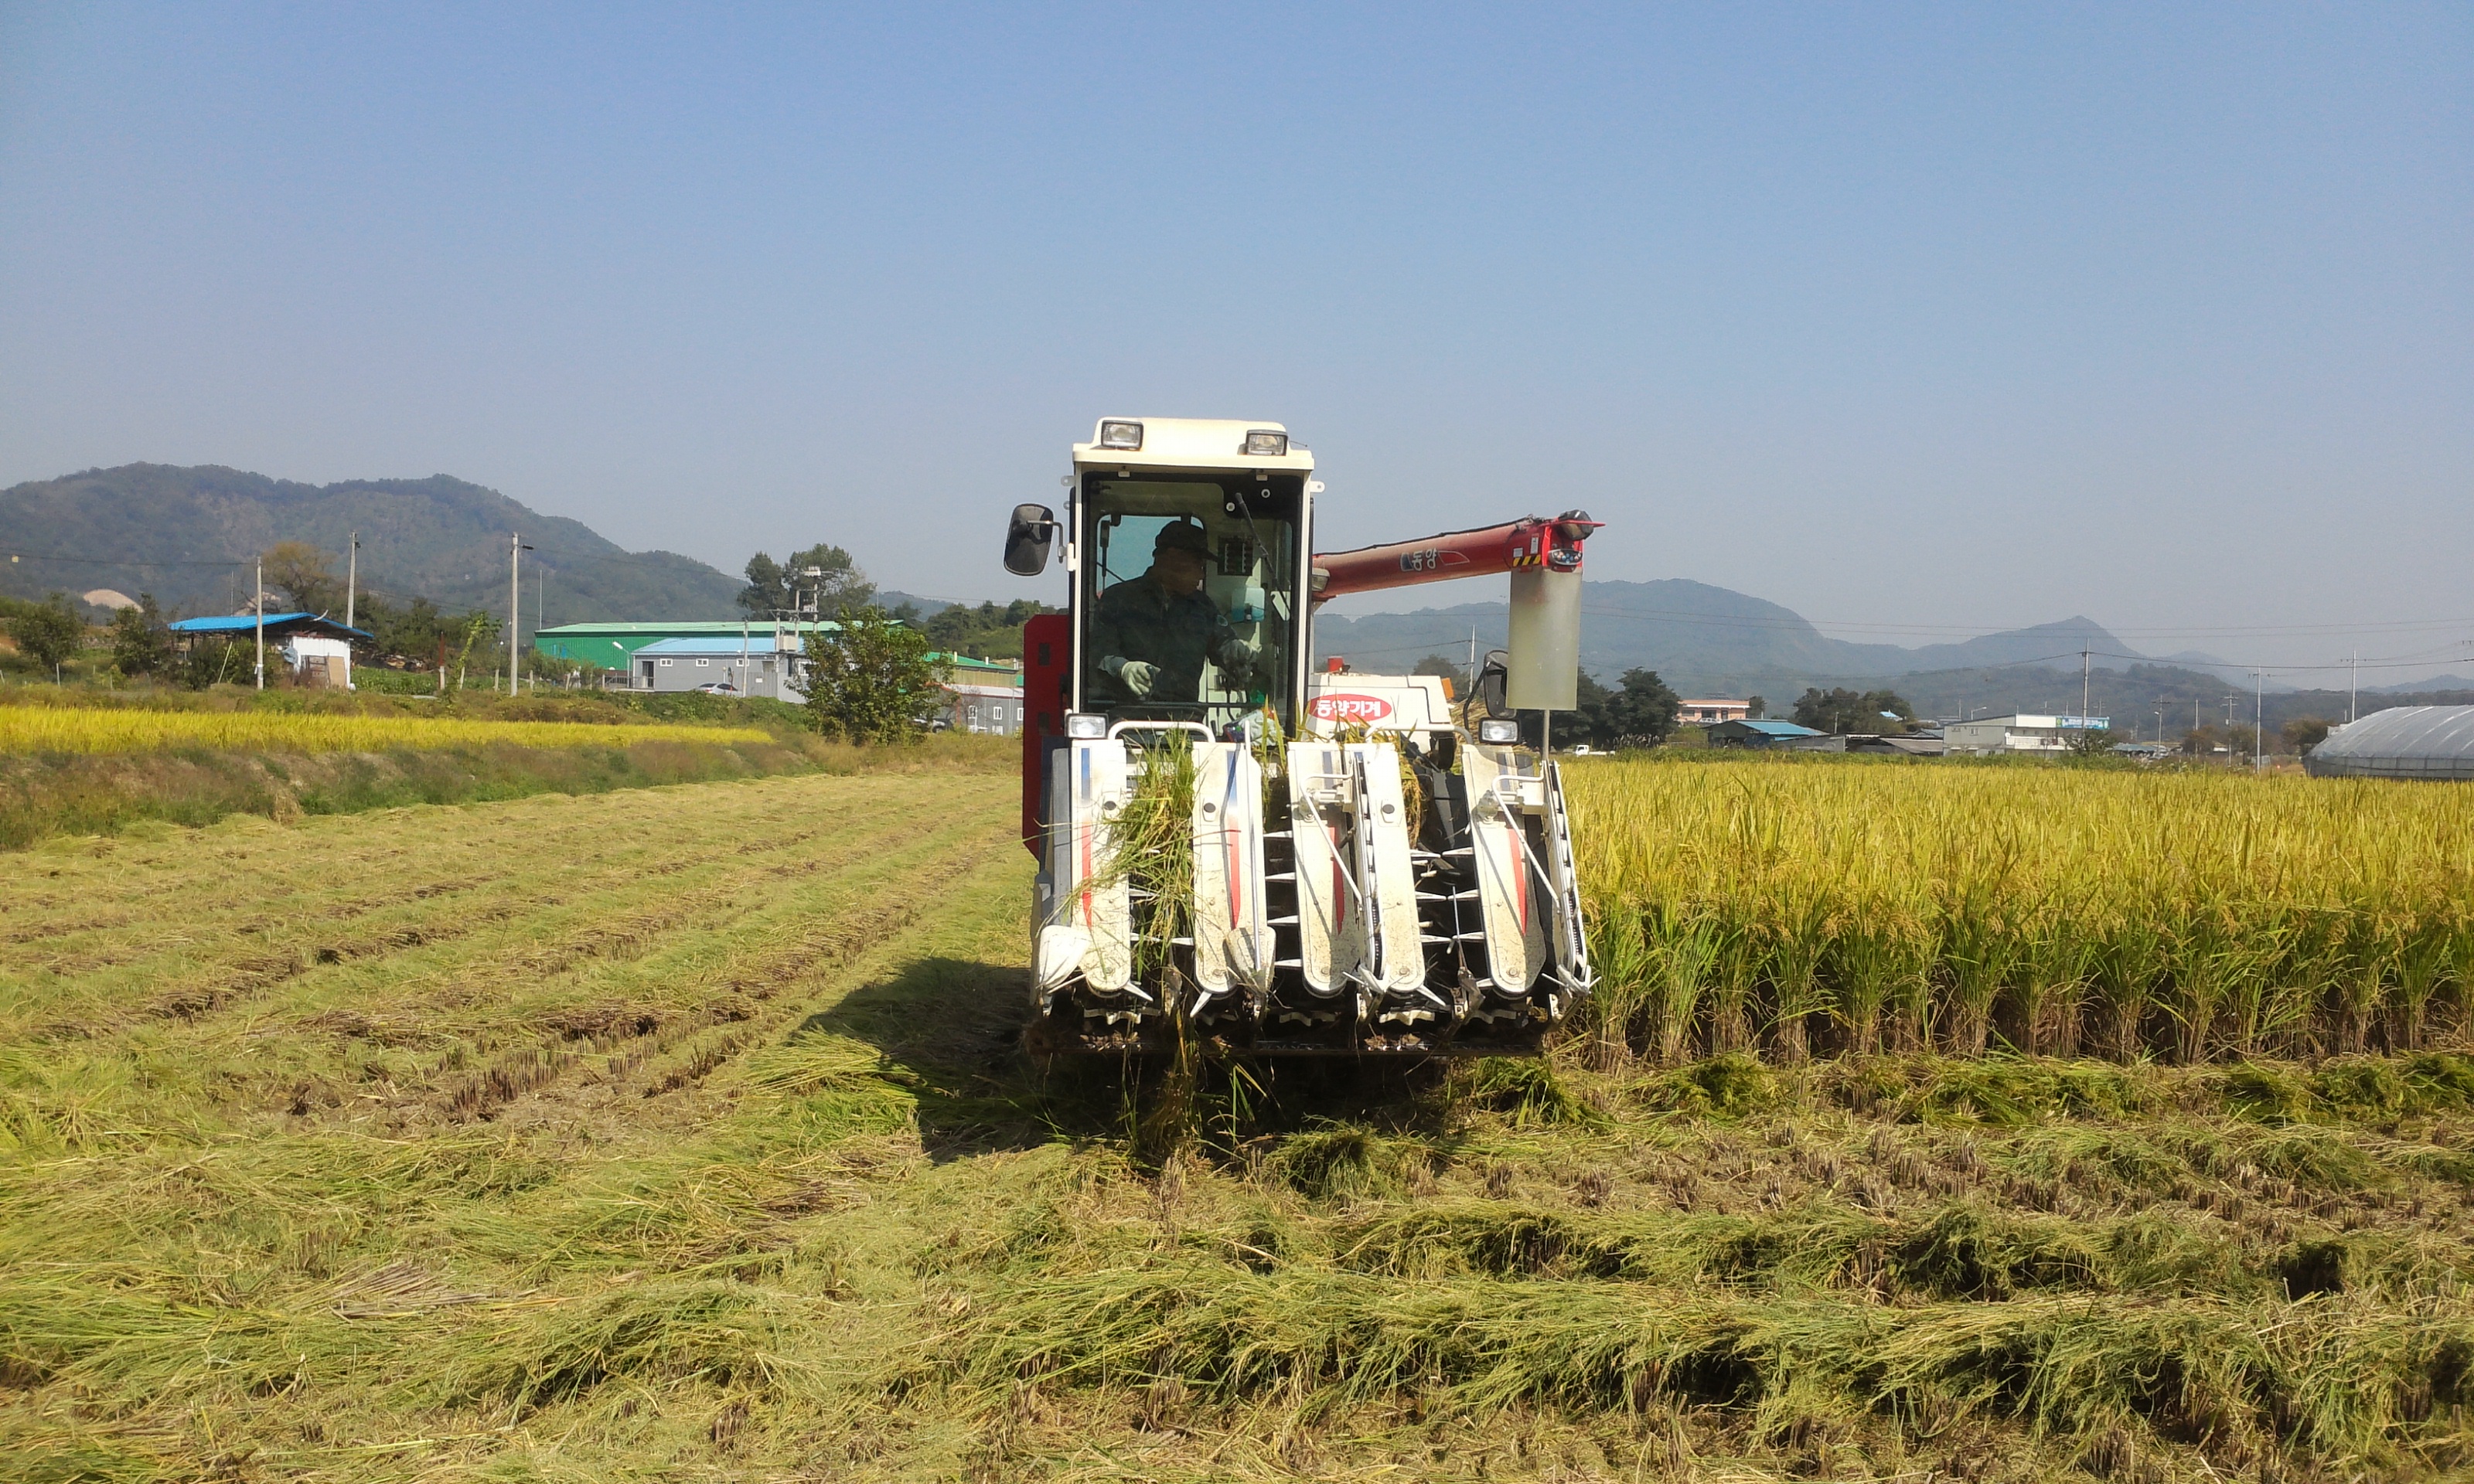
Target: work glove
column 1138, row 677
column 1238, row 654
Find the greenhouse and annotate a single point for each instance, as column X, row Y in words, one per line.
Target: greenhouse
column 2402, row 742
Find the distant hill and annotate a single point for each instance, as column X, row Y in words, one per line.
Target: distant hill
column 154, row 528
column 1705, row 640
column 889, row 599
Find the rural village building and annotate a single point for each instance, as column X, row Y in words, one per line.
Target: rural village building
column 985, row 695
column 1761, row 735
column 755, row 668
column 765, row 659
column 315, row 649
column 612, row 645
column 993, row 709
column 1899, row 745
column 2020, row 733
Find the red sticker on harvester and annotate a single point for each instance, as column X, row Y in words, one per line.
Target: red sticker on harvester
column 1347, row 707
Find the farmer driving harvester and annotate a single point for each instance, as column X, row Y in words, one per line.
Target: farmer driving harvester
column 1150, row 635
column 1341, row 865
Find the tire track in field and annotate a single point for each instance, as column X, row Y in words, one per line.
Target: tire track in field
column 451, row 878
column 242, row 979
column 539, row 1072
column 126, row 879
column 123, row 892
column 720, row 903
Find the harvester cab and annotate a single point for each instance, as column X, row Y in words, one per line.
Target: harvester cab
column 1238, row 848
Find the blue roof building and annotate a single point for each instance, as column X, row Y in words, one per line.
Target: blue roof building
column 315, row 650
column 1759, row 734
column 749, row 666
column 278, row 626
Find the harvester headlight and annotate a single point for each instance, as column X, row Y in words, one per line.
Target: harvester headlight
column 1494, row 733
column 1121, row 435
column 1086, row 726
column 1263, row 443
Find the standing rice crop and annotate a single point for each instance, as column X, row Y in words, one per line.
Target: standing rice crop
column 2187, row 915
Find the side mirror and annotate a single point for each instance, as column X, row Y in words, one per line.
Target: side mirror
column 1493, row 681
column 1026, row 538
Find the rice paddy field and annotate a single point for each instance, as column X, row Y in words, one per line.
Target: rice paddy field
column 2184, row 914
column 25, row 728
column 678, row 1133
column 88, row 763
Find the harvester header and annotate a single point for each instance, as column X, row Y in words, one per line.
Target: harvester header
column 1238, row 850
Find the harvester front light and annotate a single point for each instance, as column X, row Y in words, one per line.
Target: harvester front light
column 1086, row 726
column 1263, row 443
column 1121, row 435
column 1498, row 733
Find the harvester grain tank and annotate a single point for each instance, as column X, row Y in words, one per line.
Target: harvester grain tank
column 1240, row 848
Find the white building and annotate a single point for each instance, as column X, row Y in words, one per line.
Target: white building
column 741, row 666
column 318, row 662
column 992, row 709
column 1705, row 711
column 2020, row 733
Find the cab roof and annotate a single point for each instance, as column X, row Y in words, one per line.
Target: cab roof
column 1192, row 443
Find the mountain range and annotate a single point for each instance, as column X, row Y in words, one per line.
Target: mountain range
column 1710, row 640
column 186, row 535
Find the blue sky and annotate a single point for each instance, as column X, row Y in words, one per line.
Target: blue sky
column 1928, row 319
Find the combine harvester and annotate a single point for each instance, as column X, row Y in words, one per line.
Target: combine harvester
column 1367, row 875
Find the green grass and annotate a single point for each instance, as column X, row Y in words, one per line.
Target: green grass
column 674, row 1132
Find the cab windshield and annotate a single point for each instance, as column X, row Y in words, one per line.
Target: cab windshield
column 1188, row 597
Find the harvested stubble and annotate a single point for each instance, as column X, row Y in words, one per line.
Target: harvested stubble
column 311, row 1137
column 2141, row 1278
column 673, row 1133
column 2065, row 1365
column 1858, row 906
column 25, row 728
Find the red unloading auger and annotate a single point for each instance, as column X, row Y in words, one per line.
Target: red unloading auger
column 1531, row 541
column 1527, row 542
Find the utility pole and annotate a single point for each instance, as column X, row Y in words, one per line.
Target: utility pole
column 352, row 579
column 2083, row 689
column 516, row 549
column 2258, row 720
column 2354, row 695
column 257, row 606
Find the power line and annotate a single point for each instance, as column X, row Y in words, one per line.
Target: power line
column 29, row 556
column 666, row 559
